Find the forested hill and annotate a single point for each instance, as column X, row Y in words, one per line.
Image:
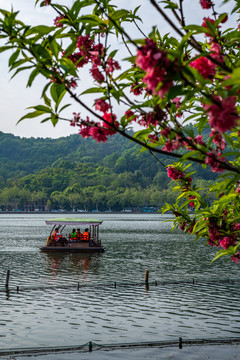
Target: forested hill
column 72, row 172
column 22, row 156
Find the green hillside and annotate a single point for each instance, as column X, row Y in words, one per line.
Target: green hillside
column 76, row 173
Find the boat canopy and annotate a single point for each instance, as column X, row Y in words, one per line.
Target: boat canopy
column 69, row 221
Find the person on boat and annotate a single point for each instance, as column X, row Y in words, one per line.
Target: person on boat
column 79, row 235
column 73, row 237
column 55, row 234
column 86, row 235
column 55, row 237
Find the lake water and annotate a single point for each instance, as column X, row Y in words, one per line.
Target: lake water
column 71, row 299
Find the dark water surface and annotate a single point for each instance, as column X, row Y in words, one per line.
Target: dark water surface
column 49, row 309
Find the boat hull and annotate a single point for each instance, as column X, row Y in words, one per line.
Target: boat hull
column 68, row 249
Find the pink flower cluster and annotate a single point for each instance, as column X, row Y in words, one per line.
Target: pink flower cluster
column 227, row 241
column 217, row 229
column 236, row 258
column 75, row 120
column 57, row 21
column 90, row 52
column 101, row 105
column 206, row 4
column 215, row 52
column 136, row 89
column 192, row 203
column 99, row 131
column 130, row 115
column 175, row 174
column 148, row 119
column 205, row 24
column 212, row 160
column 218, row 140
column 157, row 67
column 204, row 66
column 222, row 113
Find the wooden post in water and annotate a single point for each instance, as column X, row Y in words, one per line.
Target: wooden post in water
column 180, row 343
column 90, row 346
column 146, row 276
column 7, row 279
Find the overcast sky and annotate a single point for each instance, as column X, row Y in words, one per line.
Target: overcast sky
column 15, row 97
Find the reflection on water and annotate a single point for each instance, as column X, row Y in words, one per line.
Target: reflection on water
column 69, row 313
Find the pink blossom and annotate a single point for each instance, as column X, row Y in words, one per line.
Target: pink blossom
column 192, row 204
column 101, row 105
column 169, row 146
column 96, row 74
column 227, row 241
column 177, row 101
column 211, row 160
column 79, row 58
column 236, row 227
column 71, row 83
column 153, row 138
column 199, row 139
column 84, row 42
column 47, row 2
column 204, row 66
column 98, row 133
column 156, row 64
column 175, row 174
column 149, row 119
column 110, row 123
column 112, row 65
column 206, row 4
column 110, row 118
column 218, row 139
column 75, row 120
column 130, row 114
column 215, row 52
column 149, row 55
column 57, row 21
column 136, row 89
column 96, row 52
column 223, row 114
column 85, row 131
column 236, row 258
column 204, row 24
column 165, row 132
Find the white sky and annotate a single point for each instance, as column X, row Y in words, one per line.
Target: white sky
column 15, row 97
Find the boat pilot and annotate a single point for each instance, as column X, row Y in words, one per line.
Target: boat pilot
column 86, row 235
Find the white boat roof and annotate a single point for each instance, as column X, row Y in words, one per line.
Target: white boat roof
column 73, row 221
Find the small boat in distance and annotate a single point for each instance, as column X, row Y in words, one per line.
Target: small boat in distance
column 58, row 242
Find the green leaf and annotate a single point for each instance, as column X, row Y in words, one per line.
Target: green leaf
column 170, row 5
column 229, row 140
column 32, row 76
column 119, row 14
column 93, row 90
column 31, row 115
column 13, row 58
column 92, row 20
column 43, row 108
column 54, row 119
column 57, row 92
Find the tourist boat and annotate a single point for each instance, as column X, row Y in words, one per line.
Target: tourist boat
column 64, row 243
